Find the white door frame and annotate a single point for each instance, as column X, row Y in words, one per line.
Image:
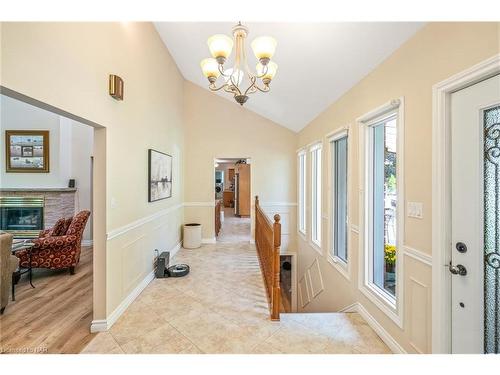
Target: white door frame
column 441, row 196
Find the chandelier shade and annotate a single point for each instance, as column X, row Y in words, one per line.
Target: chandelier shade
column 221, row 46
column 263, row 47
column 267, row 72
column 210, row 68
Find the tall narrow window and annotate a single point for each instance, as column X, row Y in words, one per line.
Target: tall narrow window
column 339, row 197
column 302, row 192
column 316, row 195
column 384, row 192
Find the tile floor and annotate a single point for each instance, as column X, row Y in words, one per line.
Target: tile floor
column 221, row 307
column 234, row 229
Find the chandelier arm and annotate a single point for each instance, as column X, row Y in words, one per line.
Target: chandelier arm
column 221, row 71
column 213, row 87
column 251, row 89
column 264, row 72
column 266, row 88
column 231, row 89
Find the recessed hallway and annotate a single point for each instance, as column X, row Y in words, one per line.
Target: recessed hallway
column 221, row 307
column 234, row 229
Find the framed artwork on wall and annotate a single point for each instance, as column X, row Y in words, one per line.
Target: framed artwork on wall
column 27, row 151
column 159, row 176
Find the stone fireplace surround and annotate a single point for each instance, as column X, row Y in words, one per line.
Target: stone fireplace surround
column 58, row 202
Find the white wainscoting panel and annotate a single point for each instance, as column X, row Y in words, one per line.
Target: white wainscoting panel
column 315, row 278
column 418, row 310
column 304, row 294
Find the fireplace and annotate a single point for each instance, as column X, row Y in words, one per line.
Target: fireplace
column 21, row 216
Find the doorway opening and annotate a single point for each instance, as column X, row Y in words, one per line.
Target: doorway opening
column 56, row 289
column 232, row 177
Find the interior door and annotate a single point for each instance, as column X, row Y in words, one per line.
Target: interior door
column 475, row 247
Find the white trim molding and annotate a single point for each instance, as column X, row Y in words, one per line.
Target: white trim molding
column 418, row 255
column 137, row 223
column 105, row 324
column 391, row 306
column 101, row 325
column 441, row 191
column 376, row 326
column 199, row 204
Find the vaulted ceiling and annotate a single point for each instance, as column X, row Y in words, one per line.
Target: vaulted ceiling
column 317, row 62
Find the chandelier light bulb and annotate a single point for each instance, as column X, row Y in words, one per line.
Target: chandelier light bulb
column 263, row 47
column 210, row 69
column 220, row 47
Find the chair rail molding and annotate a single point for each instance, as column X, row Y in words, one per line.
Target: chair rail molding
column 137, row 223
column 441, row 209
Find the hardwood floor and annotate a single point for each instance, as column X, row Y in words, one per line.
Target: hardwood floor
column 55, row 316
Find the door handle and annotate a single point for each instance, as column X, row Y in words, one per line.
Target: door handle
column 458, row 269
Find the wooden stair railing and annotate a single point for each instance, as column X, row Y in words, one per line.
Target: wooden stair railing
column 268, row 244
column 217, row 217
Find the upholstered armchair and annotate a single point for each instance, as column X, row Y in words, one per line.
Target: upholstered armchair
column 8, row 264
column 58, row 247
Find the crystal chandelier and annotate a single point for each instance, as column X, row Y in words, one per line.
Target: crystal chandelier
column 220, row 47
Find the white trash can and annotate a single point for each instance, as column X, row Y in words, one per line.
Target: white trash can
column 192, row 236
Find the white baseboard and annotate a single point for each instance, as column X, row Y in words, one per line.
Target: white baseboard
column 98, row 326
column 209, row 240
column 350, row 308
column 175, row 249
column 87, row 243
column 379, row 330
column 102, row 325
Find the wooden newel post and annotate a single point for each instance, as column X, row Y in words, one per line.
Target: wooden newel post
column 275, row 315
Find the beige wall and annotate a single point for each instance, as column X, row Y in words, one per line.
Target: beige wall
column 66, row 65
column 218, row 128
column 435, row 53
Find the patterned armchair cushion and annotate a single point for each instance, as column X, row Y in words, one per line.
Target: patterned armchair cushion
column 58, row 228
column 56, row 252
column 77, row 225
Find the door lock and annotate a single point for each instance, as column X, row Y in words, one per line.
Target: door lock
column 461, row 247
column 458, row 269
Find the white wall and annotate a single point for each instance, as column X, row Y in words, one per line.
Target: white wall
column 71, row 145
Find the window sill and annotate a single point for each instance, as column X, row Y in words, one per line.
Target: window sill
column 385, row 303
column 340, row 265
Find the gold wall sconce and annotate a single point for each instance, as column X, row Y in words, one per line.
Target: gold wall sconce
column 116, row 87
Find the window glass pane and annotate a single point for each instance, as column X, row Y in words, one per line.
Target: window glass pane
column 302, row 193
column 384, row 205
column 340, row 198
column 316, row 196
column 492, row 230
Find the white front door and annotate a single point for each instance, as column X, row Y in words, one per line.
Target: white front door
column 475, row 247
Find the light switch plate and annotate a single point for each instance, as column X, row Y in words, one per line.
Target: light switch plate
column 415, row 209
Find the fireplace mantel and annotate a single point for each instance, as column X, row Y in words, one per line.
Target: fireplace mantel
column 37, row 190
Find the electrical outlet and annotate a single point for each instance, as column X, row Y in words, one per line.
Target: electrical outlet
column 415, row 210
